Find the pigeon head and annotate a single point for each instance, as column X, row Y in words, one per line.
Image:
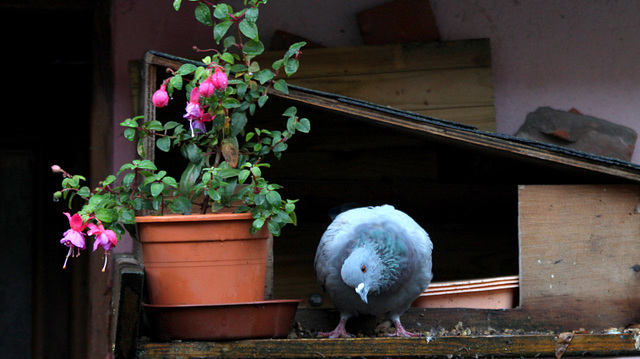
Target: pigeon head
column 376, row 259
column 362, row 271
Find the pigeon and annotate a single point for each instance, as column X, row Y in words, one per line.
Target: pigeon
column 373, row 260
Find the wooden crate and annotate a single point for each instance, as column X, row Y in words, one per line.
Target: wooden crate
column 464, row 186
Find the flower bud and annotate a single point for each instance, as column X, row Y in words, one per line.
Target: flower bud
column 56, row 169
column 207, row 88
column 219, row 79
column 160, row 97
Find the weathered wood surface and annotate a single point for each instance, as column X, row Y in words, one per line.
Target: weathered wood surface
column 579, row 251
column 449, row 80
column 127, row 296
column 458, row 346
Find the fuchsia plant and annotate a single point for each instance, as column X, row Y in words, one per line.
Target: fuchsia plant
column 224, row 156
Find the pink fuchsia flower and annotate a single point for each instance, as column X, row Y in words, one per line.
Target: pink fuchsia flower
column 160, row 97
column 105, row 238
column 197, row 125
column 73, row 237
column 219, row 79
column 193, row 109
column 207, row 88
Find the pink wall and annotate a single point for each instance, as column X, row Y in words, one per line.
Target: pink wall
column 557, row 53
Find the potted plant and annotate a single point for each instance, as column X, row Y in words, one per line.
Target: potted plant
column 222, row 179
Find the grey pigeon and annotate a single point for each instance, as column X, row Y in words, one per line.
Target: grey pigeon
column 373, row 260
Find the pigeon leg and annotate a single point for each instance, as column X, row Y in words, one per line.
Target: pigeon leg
column 400, row 331
column 339, row 332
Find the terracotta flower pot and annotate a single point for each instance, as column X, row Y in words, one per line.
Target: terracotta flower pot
column 203, row 259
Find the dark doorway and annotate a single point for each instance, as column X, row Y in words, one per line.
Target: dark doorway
column 46, row 96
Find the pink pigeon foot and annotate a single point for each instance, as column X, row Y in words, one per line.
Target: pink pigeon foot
column 339, row 332
column 401, row 332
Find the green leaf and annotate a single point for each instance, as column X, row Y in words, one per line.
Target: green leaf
column 109, row 180
column 227, row 57
column 164, row 144
column 263, row 76
column 238, row 122
column 228, row 42
column 277, row 64
column 127, row 216
column 274, row 227
column 190, row 177
column 281, row 146
column 252, row 14
column 291, row 66
column 289, row 207
column 203, row 14
column 130, row 134
column 281, row 85
column 176, row 4
column 193, row 153
column 243, row 175
column 180, row 205
column 303, row 125
column 262, row 100
column 221, row 11
column 156, row 188
column 147, row 165
column 248, row 29
column 274, row 198
column 291, row 111
column 170, row 125
column 258, row 223
column 253, row 48
column 106, row 215
column 170, row 181
column 186, row 69
column 230, row 102
column 241, row 89
column 175, row 82
column 220, row 30
column 84, row 191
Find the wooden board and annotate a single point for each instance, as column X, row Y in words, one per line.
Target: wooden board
column 448, row 80
column 580, row 249
column 458, row 346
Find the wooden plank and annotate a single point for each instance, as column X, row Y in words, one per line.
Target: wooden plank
column 459, row 346
column 363, row 60
column 412, row 90
column 579, row 248
column 414, row 80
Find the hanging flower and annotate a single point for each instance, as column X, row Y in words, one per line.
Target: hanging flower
column 193, row 109
column 197, row 124
column 219, row 79
column 160, row 97
column 105, row 238
column 207, row 88
column 73, row 237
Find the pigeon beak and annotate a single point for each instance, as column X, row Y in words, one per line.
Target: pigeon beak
column 360, row 289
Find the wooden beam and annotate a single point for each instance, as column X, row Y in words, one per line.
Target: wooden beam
column 458, row 346
column 457, row 134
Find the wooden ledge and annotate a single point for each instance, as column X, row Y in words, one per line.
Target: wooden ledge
column 459, row 346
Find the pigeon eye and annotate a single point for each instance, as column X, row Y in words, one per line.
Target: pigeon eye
column 363, row 269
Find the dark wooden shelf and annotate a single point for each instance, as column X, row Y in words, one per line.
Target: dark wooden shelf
column 457, row 346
